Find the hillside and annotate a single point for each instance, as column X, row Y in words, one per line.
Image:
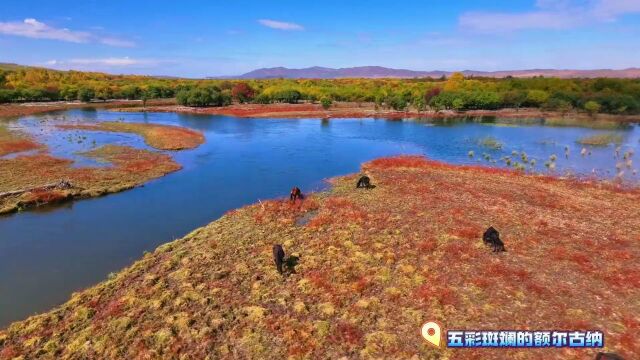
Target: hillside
column 317, row 72
column 370, row 267
column 12, row 67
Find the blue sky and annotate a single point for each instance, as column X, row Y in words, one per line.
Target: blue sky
column 208, row 38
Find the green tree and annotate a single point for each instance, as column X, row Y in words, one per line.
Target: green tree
column 398, row 102
column 131, row 92
column 560, row 105
column 146, row 95
column 419, row 103
column 592, row 107
column 69, row 93
column 85, row 94
column 537, row 97
column 103, row 92
column 325, row 102
column 458, row 104
column 514, row 98
column 6, row 95
column 199, row 97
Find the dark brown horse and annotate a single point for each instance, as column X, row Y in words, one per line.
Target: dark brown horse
column 295, row 194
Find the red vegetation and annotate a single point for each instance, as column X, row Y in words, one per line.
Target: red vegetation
column 428, row 245
column 345, row 333
column 130, row 167
column 373, row 267
column 163, row 137
column 15, row 146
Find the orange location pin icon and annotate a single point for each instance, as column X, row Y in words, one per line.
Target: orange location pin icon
column 431, row 333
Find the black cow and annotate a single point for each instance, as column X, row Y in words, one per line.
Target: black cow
column 295, row 194
column 608, row 356
column 278, row 256
column 363, row 182
column 492, row 237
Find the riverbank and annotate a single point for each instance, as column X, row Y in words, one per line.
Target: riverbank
column 26, row 109
column 371, row 266
column 337, row 110
column 369, row 110
column 35, row 180
column 32, row 177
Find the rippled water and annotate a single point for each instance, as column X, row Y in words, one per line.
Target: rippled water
column 47, row 254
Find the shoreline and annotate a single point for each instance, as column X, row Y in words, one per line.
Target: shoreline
column 367, row 110
column 8, row 111
column 39, row 179
column 307, row 110
column 352, row 266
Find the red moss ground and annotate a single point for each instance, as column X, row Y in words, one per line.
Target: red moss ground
column 373, row 266
column 129, row 168
column 14, row 142
column 163, row 137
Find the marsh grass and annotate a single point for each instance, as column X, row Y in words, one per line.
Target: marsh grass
column 14, row 142
column 490, row 142
column 163, row 137
column 601, row 139
column 129, row 167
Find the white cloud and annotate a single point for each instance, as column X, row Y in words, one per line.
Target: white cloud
column 280, row 25
column 113, row 61
column 32, row 28
column 554, row 15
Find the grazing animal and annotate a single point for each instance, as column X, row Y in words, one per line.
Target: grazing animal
column 492, row 237
column 608, row 356
column 364, row 182
column 278, row 256
column 295, row 194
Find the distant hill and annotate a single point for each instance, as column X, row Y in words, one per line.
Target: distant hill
column 12, row 67
column 318, row 72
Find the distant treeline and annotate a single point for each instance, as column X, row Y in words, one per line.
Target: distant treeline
column 616, row 96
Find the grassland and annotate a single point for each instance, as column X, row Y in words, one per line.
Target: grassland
column 372, row 267
column 163, row 137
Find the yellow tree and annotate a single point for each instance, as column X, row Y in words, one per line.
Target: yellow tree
column 455, row 82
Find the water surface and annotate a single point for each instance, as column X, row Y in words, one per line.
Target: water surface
column 47, row 254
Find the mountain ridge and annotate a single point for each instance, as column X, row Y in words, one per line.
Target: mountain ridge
column 319, row 72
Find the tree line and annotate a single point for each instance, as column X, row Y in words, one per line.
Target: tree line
column 616, row 96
